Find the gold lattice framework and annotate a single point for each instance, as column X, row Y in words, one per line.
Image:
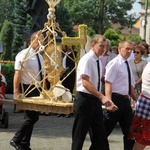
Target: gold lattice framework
column 52, row 52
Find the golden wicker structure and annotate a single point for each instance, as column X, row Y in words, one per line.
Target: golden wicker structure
column 52, row 54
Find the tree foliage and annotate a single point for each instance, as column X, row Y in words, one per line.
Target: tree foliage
column 6, row 37
column 19, row 21
column 89, row 12
column 135, row 38
column 64, row 19
column 6, row 7
column 8, row 71
column 113, row 36
column 97, row 14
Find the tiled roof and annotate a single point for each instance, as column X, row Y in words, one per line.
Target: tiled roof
column 126, row 30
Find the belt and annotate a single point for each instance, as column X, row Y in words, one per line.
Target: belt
column 119, row 95
column 86, row 94
column 141, row 95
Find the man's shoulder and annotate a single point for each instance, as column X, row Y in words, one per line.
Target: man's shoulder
column 86, row 56
column 112, row 54
column 115, row 59
column 113, row 62
column 22, row 51
column 21, row 54
column 86, row 59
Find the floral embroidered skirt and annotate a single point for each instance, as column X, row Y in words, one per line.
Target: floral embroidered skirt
column 140, row 127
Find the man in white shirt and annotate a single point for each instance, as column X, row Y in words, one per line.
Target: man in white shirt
column 89, row 99
column 119, row 83
column 25, row 73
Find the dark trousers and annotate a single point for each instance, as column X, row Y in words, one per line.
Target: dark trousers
column 123, row 115
column 23, row 135
column 88, row 116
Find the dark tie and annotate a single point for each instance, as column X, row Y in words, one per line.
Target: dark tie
column 39, row 63
column 129, row 77
column 98, row 69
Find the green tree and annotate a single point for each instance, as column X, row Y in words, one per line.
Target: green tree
column 27, row 29
column 113, row 36
column 135, row 38
column 6, row 37
column 19, row 21
column 6, row 8
column 64, row 19
column 8, row 71
column 98, row 13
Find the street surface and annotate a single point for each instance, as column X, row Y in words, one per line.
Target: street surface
column 50, row 133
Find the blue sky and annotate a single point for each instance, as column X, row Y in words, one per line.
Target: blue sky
column 136, row 8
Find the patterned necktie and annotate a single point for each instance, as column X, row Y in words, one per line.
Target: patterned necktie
column 98, row 69
column 129, row 77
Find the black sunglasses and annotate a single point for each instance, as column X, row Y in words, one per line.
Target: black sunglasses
column 136, row 52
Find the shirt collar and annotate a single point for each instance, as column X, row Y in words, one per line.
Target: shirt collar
column 94, row 57
column 121, row 58
column 31, row 50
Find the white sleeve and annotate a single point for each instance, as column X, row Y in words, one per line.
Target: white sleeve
column 18, row 60
column 111, row 72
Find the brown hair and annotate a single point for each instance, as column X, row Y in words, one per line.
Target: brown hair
column 122, row 43
column 141, row 48
column 145, row 46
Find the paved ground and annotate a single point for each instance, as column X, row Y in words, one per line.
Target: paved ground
column 50, row 133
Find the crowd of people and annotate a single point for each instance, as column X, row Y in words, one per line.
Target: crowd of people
column 105, row 76
column 109, row 76
column 124, row 77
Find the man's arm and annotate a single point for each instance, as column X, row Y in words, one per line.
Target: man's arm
column 108, row 89
column 16, row 83
column 106, row 101
column 89, row 87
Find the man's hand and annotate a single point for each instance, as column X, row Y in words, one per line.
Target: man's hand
column 109, row 105
column 112, row 108
column 16, row 95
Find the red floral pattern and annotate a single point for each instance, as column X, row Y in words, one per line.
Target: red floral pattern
column 140, row 130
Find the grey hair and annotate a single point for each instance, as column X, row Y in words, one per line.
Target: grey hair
column 96, row 38
column 109, row 42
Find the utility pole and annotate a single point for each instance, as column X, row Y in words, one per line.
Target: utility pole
column 145, row 18
column 101, row 19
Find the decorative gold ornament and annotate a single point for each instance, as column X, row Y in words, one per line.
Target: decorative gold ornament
column 52, row 54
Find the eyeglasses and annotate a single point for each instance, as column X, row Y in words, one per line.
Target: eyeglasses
column 136, row 52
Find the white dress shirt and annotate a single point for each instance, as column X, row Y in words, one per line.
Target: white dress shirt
column 30, row 65
column 88, row 66
column 117, row 74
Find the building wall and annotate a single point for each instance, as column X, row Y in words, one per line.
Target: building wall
column 142, row 33
column 147, row 35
